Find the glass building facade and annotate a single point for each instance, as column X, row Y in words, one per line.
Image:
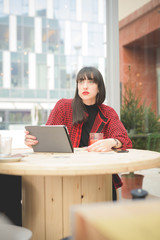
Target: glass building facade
column 43, row 44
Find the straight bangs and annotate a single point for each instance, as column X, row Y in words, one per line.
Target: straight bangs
column 89, row 73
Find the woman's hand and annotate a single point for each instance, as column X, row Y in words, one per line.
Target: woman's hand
column 30, row 140
column 104, row 145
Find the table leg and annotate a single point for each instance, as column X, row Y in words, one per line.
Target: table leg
column 81, row 190
column 46, row 201
column 33, row 205
column 53, row 201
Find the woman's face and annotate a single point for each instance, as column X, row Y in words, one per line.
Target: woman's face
column 87, row 90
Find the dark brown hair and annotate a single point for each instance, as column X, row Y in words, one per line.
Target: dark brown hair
column 77, row 104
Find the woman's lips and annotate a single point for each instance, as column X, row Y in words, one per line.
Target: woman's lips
column 85, row 93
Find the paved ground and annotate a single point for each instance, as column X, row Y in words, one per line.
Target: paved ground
column 151, row 181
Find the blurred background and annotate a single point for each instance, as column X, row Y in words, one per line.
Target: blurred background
column 43, row 44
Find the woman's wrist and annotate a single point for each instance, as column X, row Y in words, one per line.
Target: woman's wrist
column 117, row 143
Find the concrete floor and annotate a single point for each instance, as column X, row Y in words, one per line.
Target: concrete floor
column 151, row 181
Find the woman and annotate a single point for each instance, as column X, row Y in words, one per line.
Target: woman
column 86, row 113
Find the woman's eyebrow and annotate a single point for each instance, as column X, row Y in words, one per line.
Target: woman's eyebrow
column 86, row 77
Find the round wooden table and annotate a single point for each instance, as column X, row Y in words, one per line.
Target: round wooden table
column 52, row 182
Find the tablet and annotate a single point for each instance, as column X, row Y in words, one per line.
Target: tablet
column 51, row 138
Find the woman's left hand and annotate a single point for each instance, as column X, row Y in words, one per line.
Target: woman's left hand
column 104, row 145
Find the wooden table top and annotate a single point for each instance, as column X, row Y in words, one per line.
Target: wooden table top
column 79, row 163
column 121, row 221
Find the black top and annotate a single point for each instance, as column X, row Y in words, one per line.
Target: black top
column 92, row 111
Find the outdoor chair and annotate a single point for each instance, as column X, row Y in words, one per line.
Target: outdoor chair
column 12, row 232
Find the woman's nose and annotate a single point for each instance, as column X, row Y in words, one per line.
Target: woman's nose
column 85, row 84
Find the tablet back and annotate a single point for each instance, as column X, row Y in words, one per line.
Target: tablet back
column 51, row 138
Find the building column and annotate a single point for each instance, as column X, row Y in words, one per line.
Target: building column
column 113, row 81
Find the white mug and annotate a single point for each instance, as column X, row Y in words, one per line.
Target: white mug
column 5, row 146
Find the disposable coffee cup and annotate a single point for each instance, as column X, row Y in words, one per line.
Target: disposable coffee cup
column 5, row 147
column 94, row 137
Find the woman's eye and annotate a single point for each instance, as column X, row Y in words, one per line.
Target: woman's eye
column 91, row 81
column 80, row 80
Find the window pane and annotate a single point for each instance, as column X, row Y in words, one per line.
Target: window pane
column 41, row 72
column 18, row 7
column 1, row 7
column 28, row 34
column 52, row 36
column 16, row 70
column 90, row 13
column 25, row 71
column 1, row 71
column 4, row 30
column 95, row 38
column 40, row 6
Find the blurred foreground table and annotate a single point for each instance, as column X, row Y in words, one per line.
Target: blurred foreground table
column 52, row 182
column 133, row 220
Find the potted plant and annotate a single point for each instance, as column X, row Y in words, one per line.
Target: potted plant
column 130, row 181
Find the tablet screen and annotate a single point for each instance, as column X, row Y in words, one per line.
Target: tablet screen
column 51, row 138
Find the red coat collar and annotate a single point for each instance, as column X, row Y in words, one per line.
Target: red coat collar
column 99, row 122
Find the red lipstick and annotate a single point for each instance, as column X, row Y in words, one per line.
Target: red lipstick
column 85, row 93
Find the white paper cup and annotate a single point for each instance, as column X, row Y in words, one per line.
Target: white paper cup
column 5, row 146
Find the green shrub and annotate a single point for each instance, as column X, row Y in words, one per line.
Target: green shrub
column 132, row 115
column 136, row 116
column 141, row 121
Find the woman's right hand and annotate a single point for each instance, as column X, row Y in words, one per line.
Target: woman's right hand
column 30, row 140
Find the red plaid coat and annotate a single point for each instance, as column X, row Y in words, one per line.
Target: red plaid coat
column 107, row 121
